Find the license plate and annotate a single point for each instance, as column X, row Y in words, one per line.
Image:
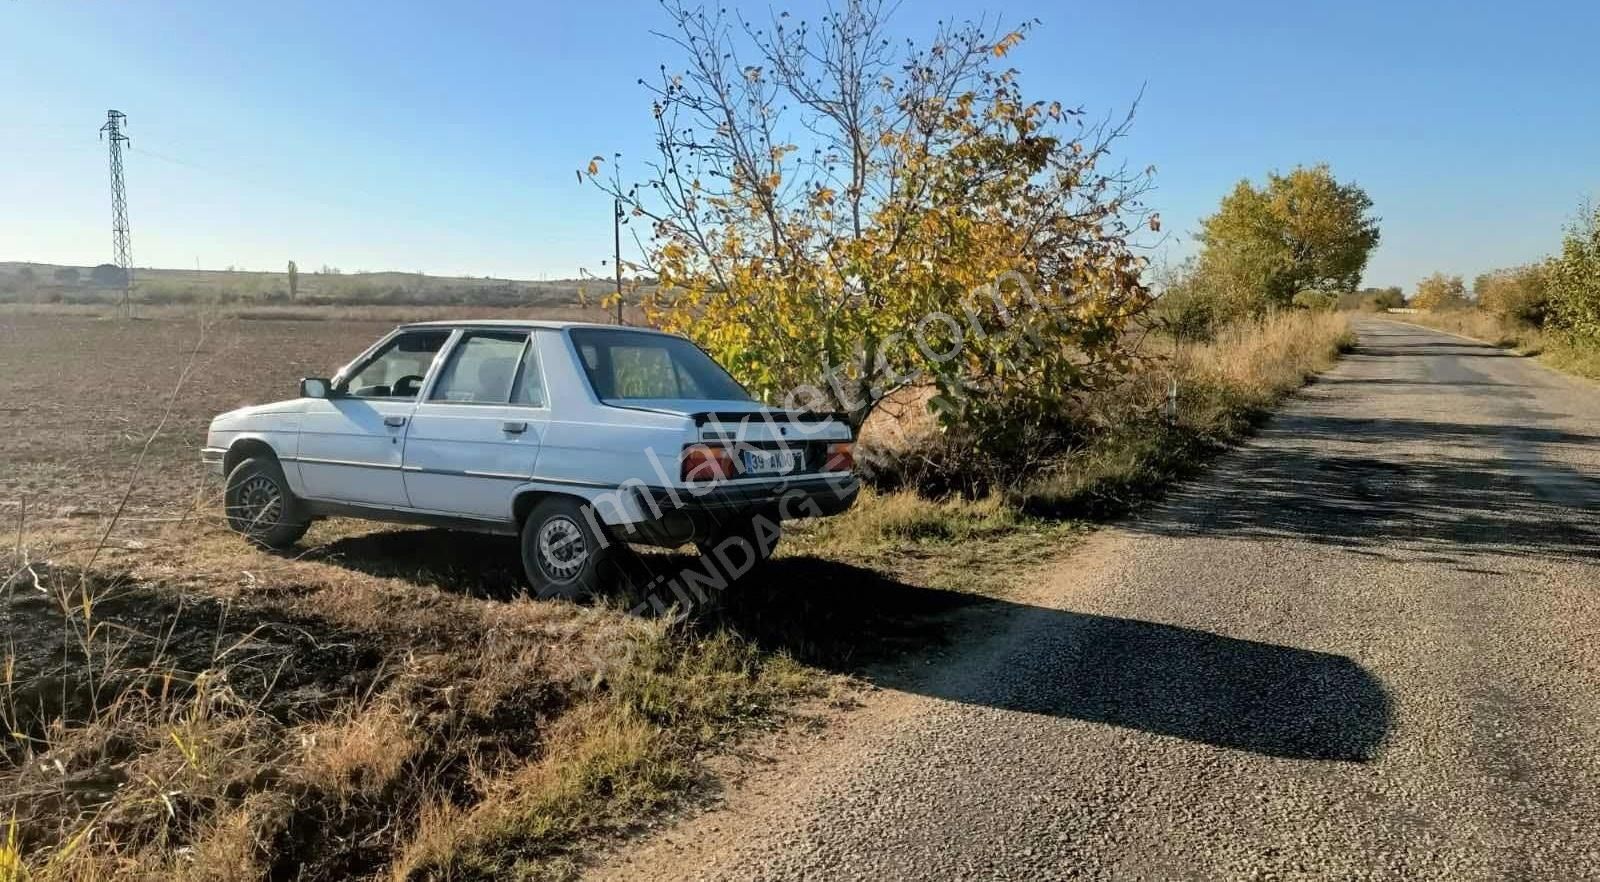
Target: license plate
column 770, row 462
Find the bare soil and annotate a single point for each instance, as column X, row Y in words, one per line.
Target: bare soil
column 79, row 398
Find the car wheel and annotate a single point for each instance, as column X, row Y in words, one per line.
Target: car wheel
column 563, row 552
column 260, row 506
column 748, row 539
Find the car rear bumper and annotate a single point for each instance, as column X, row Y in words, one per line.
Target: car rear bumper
column 677, row 516
column 828, row 494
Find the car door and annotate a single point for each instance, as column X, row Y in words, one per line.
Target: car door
column 476, row 436
column 352, row 443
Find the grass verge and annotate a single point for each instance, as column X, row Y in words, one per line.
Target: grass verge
column 304, row 720
column 1225, row 386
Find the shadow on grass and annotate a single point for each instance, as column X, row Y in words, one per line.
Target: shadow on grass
column 475, row 564
column 1179, row 682
column 146, row 641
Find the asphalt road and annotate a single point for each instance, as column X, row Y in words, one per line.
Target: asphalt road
column 1367, row 644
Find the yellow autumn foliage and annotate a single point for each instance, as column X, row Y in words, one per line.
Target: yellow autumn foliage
column 933, row 226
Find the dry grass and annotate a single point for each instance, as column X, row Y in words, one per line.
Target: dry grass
column 1274, row 354
column 361, row 750
column 311, row 716
column 1557, row 350
column 1224, row 386
column 895, row 518
column 606, row 763
column 265, row 713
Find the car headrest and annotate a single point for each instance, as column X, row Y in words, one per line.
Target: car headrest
column 494, row 377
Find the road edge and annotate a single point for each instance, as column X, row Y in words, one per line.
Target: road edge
column 1577, row 379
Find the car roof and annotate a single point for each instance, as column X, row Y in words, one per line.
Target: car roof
column 524, row 323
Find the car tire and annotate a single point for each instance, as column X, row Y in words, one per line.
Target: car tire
column 259, row 505
column 565, row 552
column 757, row 533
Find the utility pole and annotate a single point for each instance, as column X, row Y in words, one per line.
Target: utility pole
column 112, row 133
column 616, row 253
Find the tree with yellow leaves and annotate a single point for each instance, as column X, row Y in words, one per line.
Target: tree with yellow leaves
column 838, row 213
column 1440, row 291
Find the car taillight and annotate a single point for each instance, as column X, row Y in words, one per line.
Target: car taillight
column 841, row 458
column 704, row 462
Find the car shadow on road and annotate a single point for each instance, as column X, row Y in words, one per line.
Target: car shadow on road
column 1145, row 676
column 1151, row 677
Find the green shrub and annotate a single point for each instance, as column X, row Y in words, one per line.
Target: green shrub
column 1324, row 301
column 1380, row 299
column 1187, row 311
column 1574, row 278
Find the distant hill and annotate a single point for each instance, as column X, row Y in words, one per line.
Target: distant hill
column 53, row 283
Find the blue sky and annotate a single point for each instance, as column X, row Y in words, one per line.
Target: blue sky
column 443, row 137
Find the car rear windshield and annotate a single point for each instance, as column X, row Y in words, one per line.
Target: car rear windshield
column 631, row 364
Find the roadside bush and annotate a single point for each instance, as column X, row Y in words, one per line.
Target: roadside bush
column 1114, row 445
column 972, row 463
column 1317, row 301
column 1519, row 295
column 1574, row 278
column 1187, row 310
column 1225, row 386
column 1380, row 299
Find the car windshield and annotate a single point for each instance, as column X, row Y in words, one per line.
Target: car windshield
column 636, row 365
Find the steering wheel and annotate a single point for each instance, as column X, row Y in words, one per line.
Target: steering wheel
column 407, row 386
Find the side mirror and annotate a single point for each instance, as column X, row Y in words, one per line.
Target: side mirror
column 314, row 387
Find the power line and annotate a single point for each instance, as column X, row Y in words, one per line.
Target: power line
column 112, row 133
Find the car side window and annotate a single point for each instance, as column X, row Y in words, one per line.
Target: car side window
column 528, row 390
column 398, row 369
column 481, row 369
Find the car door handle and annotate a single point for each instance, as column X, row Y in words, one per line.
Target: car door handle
column 515, row 428
column 395, row 421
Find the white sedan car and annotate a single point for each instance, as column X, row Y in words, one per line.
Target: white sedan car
column 575, row 437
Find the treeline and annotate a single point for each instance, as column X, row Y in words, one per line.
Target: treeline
column 45, row 283
column 1560, row 293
